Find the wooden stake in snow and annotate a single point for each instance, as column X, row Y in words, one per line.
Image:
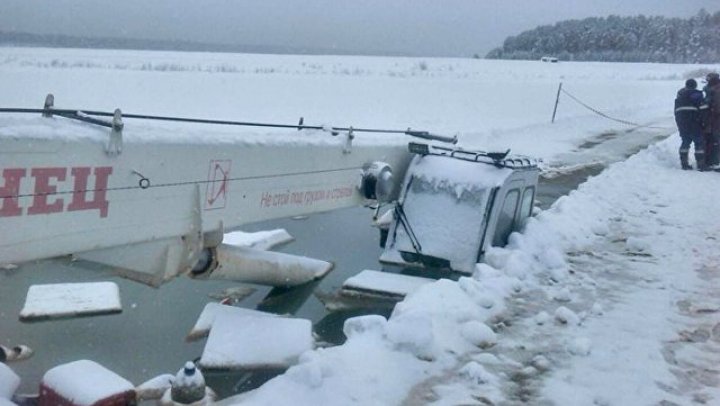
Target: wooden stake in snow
column 557, row 100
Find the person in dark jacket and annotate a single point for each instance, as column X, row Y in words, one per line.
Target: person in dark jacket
column 687, row 117
column 711, row 112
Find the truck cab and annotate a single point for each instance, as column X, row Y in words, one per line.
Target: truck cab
column 454, row 204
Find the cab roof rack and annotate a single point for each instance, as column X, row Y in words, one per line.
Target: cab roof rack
column 498, row 159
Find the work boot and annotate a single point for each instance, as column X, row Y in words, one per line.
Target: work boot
column 700, row 160
column 684, row 161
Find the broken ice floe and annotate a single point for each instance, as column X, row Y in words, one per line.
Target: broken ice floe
column 385, row 283
column 70, row 300
column 244, row 341
column 210, row 312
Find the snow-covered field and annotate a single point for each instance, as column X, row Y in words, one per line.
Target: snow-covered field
column 606, row 298
column 493, row 104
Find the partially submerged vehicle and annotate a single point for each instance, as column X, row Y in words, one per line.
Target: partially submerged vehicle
column 452, row 207
column 454, row 204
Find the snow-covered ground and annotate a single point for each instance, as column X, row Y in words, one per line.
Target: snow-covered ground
column 492, row 104
column 606, row 298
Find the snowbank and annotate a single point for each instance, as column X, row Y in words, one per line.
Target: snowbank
column 593, row 347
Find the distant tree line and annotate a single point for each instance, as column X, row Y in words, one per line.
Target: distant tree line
column 620, row 39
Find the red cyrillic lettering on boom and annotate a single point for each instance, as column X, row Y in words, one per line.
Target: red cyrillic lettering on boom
column 43, row 189
column 80, row 190
column 9, row 202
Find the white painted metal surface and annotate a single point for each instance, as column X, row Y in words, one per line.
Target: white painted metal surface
column 242, row 264
column 61, row 193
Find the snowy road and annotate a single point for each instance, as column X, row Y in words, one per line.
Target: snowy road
column 642, row 324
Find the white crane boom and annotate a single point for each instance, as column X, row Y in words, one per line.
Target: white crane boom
column 149, row 200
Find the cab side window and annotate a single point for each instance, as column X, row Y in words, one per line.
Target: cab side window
column 527, row 202
column 506, row 218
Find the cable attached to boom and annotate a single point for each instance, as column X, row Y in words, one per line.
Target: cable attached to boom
column 85, row 115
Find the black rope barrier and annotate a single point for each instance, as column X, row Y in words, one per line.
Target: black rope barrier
column 602, row 114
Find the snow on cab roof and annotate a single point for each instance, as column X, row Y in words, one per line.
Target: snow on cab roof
column 459, row 173
column 22, row 126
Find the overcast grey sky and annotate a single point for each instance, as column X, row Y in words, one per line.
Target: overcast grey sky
column 413, row 27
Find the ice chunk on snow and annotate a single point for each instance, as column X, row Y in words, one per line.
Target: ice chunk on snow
column 552, row 258
column 637, row 244
column 580, row 346
column 373, row 324
column 9, row 382
column 566, row 316
column 413, row 333
column 210, row 312
column 540, row 362
column 528, row 371
column 542, row 318
column 476, row 373
column 558, row 274
column 599, row 228
column 309, row 374
column 479, row 334
column 485, row 271
column 85, row 382
column 249, row 341
column 70, row 300
column 487, row 358
column 261, row 240
column 562, row 295
column 486, row 302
